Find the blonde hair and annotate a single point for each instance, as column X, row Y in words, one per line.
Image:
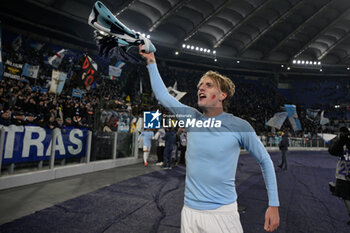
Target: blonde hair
column 224, row 84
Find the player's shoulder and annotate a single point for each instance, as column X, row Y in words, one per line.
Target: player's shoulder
column 238, row 123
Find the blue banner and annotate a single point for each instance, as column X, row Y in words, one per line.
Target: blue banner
column 38, row 88
column 33, row 143
column 77, row 93
column 293, row 117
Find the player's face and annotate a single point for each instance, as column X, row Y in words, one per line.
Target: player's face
column 209, row 94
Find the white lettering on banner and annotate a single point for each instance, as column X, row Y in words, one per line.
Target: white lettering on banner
column 34, row 137
column 75, row 141
column 28, row 141
column 59, row 145
column 11, row 132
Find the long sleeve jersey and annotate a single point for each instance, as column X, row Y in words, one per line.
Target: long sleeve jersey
column 212, row 152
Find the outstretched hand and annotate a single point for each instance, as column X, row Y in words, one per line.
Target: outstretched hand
column 149, row 57
column 272, row 219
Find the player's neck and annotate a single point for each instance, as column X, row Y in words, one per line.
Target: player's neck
column 212, row 112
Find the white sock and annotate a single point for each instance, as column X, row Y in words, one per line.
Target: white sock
column 145, row 156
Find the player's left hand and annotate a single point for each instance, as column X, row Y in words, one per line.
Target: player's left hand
column 272, row 219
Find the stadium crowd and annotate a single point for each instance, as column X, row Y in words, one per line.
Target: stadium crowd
column 23, row 104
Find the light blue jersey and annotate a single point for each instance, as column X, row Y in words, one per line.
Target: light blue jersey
column 212, row 153
column 147, row 138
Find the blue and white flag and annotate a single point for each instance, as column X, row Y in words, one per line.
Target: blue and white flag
column 36, row 142
column 57, row 81
column 116, row 70
column 77, row 93
column 293, row 117
column 56, row 59
column 277, row 120
column 30, row 71
column 176, row 93
column 323, row 120
column 312, row 114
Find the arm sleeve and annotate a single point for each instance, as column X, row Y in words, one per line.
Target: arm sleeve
column 253, row 144
column 163, row 96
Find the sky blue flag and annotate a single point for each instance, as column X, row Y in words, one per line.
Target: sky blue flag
column 63, row 77
column 277, row 120
column 293, row 117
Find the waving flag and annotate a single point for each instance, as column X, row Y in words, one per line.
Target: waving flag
column 56, row 59
column 89, row 69
column 277, row 120
column 57, row 81
column 323, row 120
column 30, row 71
column 312, row 114
column 293, row 117
column 174, row 92
column 116, row 70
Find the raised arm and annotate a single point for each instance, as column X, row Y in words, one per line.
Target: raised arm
column 159, row 89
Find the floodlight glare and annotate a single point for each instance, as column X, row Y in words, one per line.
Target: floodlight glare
column 183, row 45
column 298, row 61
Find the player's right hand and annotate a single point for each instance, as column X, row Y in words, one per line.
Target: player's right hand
column 149, row 57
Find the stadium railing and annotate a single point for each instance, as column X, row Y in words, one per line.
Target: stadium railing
column 30, row 154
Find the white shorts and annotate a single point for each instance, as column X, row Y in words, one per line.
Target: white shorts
column 221, row 220
column 146, row 148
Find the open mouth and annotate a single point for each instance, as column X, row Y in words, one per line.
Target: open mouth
column 202, row 96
